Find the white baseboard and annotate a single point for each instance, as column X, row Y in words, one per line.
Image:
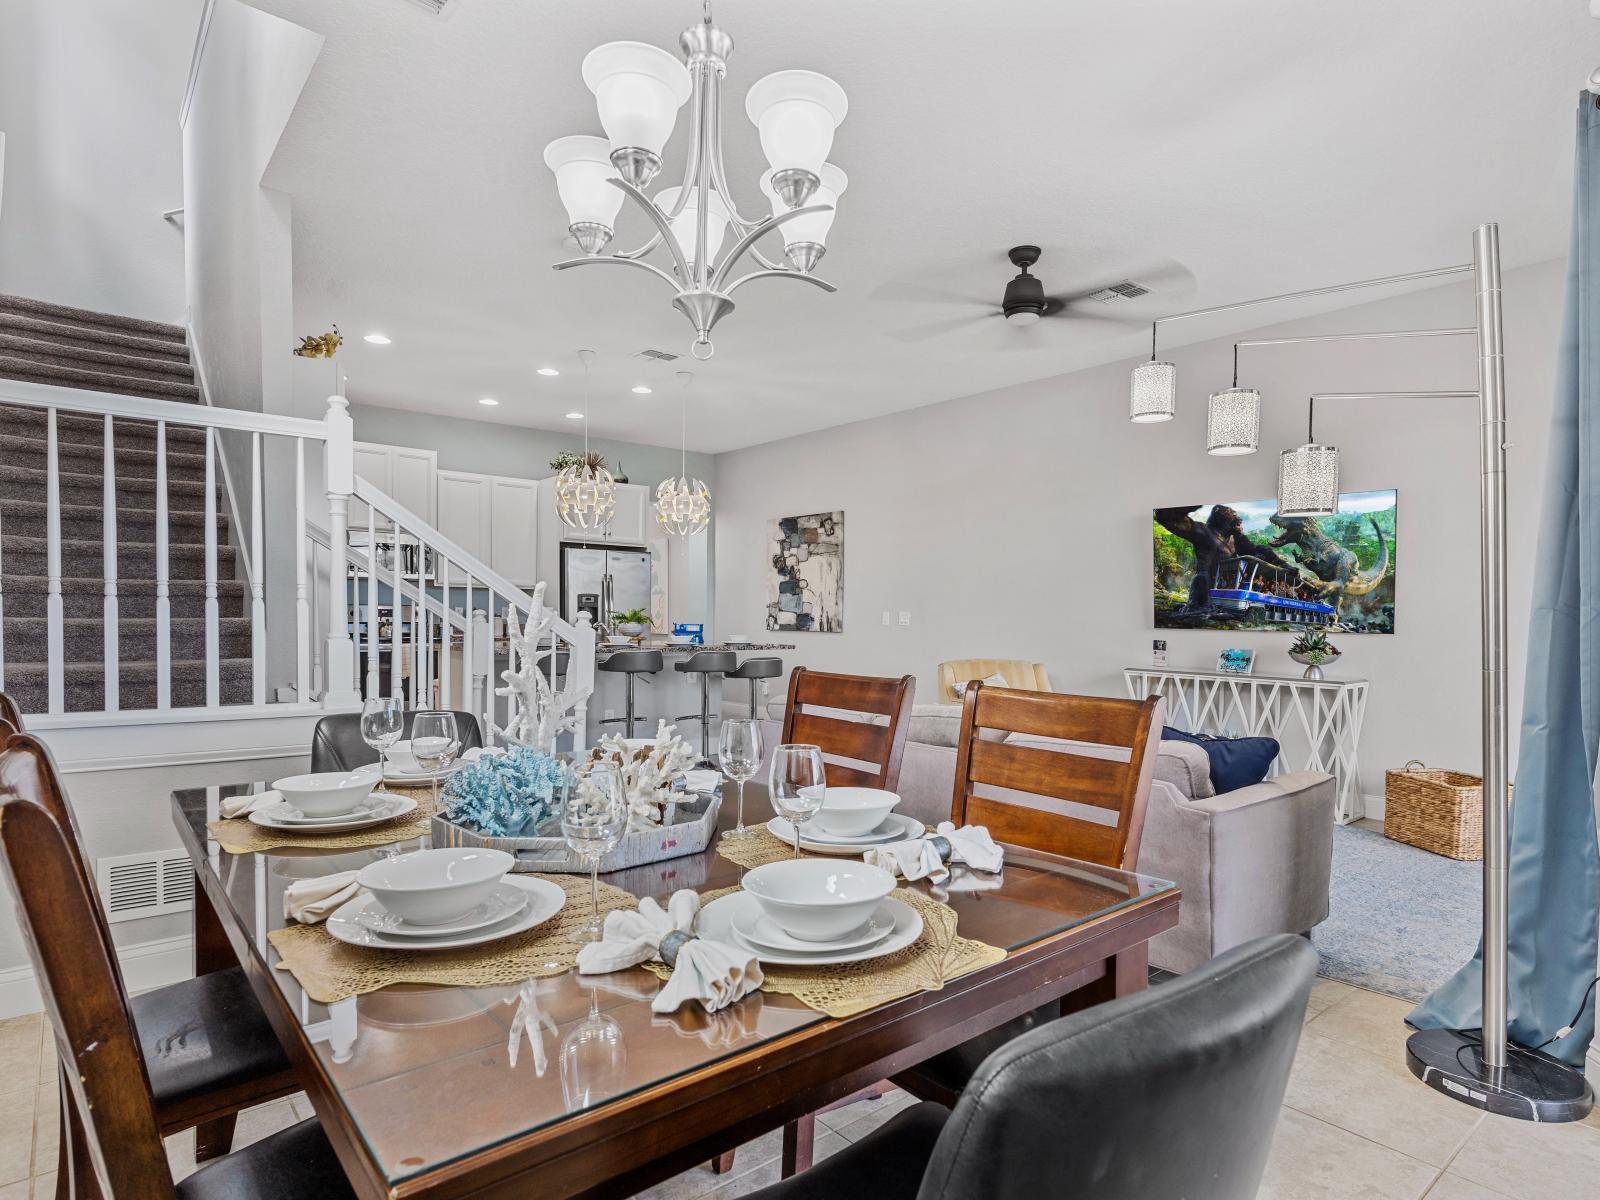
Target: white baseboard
column 145, row 965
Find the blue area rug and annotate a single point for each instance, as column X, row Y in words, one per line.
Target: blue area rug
column 1400, row 920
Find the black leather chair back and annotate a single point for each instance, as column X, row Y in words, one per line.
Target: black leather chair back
column 1169, row 1094
column 336, row 743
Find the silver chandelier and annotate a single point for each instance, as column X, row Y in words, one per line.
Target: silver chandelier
column 638, row 90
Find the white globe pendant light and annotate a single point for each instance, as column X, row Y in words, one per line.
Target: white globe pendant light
column 683, row 505
column 586, row 495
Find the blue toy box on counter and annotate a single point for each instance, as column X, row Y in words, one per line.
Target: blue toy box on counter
column 695, row 633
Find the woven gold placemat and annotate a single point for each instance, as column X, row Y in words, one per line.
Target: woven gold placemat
column 760, row 848
column 331, row 970
column 242, row 836
column 937, row 956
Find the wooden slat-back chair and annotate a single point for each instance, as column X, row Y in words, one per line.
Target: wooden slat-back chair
column 878, row 745
column 11, row 712
column 1077, row 772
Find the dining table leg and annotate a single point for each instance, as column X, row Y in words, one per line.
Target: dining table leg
column 1126, row 972
column 799, row 1137
column 212, row 952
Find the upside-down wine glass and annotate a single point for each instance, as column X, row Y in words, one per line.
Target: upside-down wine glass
column 435, row 743
column 796, row 784
column 592, row 821
column 739, row 750
column 382, row 719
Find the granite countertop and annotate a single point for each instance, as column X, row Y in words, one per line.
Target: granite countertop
column 686, row 648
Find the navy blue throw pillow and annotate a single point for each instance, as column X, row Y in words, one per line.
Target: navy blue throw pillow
column 1235, row 762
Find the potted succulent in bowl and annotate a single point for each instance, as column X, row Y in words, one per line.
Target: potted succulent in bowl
column 1311, row 650
column 632, row 623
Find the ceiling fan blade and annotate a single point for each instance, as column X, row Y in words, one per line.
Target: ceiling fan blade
column 921, row 294
column 921, row 333
column 1084, row 311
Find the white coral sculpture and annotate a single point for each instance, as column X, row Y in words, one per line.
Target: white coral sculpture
column 647, row 772
column 538, row 712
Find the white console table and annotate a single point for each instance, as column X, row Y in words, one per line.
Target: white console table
column 1322, row 716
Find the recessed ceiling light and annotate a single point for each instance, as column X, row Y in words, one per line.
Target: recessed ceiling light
column 548, row 371
column 641, row 390
column 490, row 401
column 574, row 416
column 377, row 339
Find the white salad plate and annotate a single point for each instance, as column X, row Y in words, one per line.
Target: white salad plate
column 394, row 775
column 717, row 921
column 897, row 828
column 287, row 814
column 545, row 900
column 284, row 816
column 505, row 902
column 761, row 931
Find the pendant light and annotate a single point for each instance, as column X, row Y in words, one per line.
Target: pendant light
column 1153, row 393
column 683, row 505
column 1308, row 476
column 1233, row 417
column 586, row 495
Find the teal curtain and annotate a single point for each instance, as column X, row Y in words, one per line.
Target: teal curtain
column 1555, row 867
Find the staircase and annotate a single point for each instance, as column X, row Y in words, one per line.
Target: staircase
column 75, row 348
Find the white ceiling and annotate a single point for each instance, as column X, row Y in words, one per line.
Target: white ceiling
column 1229, row 149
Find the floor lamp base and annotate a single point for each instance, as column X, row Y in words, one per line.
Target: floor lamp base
column 1531, row 1087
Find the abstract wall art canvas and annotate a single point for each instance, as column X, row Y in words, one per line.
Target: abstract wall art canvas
column 805, row 590
column 1240, row 565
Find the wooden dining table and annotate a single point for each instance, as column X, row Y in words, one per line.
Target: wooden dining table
column 416, row 1088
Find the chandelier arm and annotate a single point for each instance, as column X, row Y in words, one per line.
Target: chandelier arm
column 755, row 234
column 659, row 219
column 655, row 240
column 767, row 263
column 702, row 214
column 691, row 164
column 719, row 174
column 617, row 260
column 811, row 279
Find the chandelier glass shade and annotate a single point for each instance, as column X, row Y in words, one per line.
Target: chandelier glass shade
column 1308, row 481
column 638, row 90
column 1153, row 392
column 683, row 505
column 1233, row 421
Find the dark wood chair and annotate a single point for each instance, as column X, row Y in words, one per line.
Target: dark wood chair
column 117, row 1150
column 1099, row 759
column 208, row 1048
column 11, row 712
column 861, row 725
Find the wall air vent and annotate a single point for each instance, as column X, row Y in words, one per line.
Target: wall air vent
column 439, row 8
column 1126, row 290
column 145, row 885
column 650, row 355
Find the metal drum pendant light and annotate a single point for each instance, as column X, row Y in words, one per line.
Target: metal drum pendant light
column 1153, row 389
column 683, row 505
column 1308, row 476
column 586, row 494
column 1233, row 418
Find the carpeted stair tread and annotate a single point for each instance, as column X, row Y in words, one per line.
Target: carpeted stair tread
column 64, row 354
column 84, row 596
column 75, row 487
column 27, row 639
column 67, row 314
column 12, row 367
column 84, row 683
column 135, row 560
column 88, row 335
column 86, row 456
column 85, row 428
column 85, row 522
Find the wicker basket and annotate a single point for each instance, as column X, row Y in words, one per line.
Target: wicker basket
column 1438, row 810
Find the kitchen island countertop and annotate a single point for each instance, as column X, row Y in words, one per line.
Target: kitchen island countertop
column 689, row 648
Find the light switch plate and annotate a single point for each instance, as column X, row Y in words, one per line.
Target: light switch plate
column 905, row 618
column 886, row 616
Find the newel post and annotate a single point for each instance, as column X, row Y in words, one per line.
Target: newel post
column 340, row 469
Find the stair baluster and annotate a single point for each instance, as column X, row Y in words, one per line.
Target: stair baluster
column 445, row 635
column 396, row 619
column 469, row 663
column 372, row 604
column 163, row 577
column 108, row 535
column 258, row 583
column 302, row 613
column 213, row 636
column 55, row 611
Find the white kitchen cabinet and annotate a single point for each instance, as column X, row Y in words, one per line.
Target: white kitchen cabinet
column 405, row 473
column 462, row 500
column 513, row 528
column 631, row 522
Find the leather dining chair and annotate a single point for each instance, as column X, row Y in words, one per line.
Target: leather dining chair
column 1169, row 1094
column 336, row 743
column 207, row 1047
column 117, row 1146
column 859, row 722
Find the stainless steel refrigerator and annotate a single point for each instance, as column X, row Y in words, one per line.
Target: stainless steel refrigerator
column 603, row 581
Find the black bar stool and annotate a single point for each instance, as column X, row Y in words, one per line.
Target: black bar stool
column 706, row 663
column 756, row 670
column 630, row 663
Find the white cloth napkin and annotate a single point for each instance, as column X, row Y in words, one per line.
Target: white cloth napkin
column 701, row 781
column 311, row 900
column 243, row 806
column 917, row 858
column 714, row 973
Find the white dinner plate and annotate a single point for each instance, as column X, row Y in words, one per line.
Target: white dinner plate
column 505, row 902
column 273, row 816
column 761, row 931
column 717, row 921
column 406, row 778
column 896, row 828
column 285, row 813
column 545, row 900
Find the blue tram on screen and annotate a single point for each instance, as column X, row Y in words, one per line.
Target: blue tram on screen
column 1248, row 586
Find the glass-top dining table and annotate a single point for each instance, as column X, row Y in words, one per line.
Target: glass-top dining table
column 422, row 1094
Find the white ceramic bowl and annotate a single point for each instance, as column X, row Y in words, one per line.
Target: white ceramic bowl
column 431, row 887
column 399, row 756
column 854, row 811
column 327, row 793
column 818, row 901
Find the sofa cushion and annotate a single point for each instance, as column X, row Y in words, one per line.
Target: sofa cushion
column 1235, row 762
column 1186, row 767
column 940, row 725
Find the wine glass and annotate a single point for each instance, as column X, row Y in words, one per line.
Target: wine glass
column 740, row 751
column 592, row 821
column 593, row 1058
column 381, row 721
column 796, row 784
column 435, row 743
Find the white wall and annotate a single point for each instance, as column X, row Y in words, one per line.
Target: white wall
column 89, row 97
column 1016, row 523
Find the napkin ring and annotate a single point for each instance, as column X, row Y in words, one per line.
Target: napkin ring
column 671, row 944
column 941, row 846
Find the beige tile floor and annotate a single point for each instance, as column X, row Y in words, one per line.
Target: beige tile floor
column 1355, row 1125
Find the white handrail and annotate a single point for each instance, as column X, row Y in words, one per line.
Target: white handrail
column 143, row 408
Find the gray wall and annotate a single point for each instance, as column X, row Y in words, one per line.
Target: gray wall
column 1016, row 523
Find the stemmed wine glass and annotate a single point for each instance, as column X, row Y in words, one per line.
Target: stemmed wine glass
column 382, row 719
column 740, row 751
column 435, row 743
column 593, row 1058
column 796, row 784
column 592, row 821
